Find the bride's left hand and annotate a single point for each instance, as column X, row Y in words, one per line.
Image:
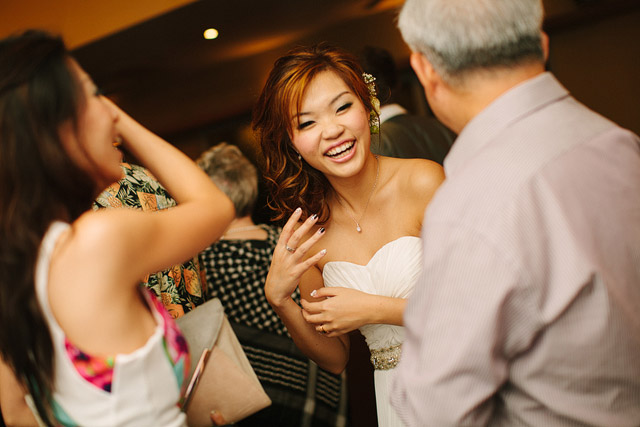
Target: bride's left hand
column 341, row 311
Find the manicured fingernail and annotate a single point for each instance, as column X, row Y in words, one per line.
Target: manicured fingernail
column 314, row 216
column 313, row 293
column 323, row 252
column 297, row 210
column 321, row 230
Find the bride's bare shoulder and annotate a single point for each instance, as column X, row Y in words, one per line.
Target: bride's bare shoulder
column 415, row 174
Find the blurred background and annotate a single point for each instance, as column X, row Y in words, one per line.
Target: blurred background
column 151, row 57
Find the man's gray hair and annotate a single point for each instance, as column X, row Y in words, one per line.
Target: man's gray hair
column 461, row 36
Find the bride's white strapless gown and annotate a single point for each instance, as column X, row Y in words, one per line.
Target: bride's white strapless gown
column 392, row 272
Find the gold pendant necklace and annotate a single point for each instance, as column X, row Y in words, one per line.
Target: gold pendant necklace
column 375, row 183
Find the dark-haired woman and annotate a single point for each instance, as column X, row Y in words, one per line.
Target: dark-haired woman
column 82, row 341
column 352, row 239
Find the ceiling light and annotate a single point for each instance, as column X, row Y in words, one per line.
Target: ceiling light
column 210, row 33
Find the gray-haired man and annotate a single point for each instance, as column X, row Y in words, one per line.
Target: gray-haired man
column 528, row 310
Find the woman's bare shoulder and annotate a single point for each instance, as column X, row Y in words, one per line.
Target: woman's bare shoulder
column 109, row 239
column 416, row 175
column 103, row 226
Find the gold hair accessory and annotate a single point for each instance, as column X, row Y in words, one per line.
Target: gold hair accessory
column 374, row 115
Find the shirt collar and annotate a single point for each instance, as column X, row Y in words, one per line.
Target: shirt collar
column 511, row 106
column 391, row 110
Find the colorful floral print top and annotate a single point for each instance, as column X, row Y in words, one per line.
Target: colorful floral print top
column 181, row 287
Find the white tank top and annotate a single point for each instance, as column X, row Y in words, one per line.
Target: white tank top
column 146, row 383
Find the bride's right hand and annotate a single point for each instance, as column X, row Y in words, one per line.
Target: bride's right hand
column 290, row 259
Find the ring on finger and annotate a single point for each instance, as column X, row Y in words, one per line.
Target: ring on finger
column 290, row 249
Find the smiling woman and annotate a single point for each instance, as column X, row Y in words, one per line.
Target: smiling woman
column 352, row 240
column 328, row 107
column 278, row 116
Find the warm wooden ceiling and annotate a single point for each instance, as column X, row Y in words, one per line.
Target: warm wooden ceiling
column 154, row 61
column 173, row 79
column 80, row 21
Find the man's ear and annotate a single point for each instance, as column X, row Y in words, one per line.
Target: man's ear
column 545, row 45
column 424, row 70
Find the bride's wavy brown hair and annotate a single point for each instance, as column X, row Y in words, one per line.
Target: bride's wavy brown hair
column 293, row 183
column 39, row 184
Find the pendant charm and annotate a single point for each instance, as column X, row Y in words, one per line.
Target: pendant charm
column 364, row 211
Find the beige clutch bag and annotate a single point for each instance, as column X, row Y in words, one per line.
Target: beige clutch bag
column 221, row 377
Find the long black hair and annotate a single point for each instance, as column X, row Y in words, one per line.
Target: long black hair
column 38, row 185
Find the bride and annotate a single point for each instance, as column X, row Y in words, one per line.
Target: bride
column 351, row 242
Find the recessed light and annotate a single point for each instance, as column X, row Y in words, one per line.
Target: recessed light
column 210, row 33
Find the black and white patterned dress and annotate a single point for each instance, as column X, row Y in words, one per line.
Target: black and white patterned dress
column 301, row 392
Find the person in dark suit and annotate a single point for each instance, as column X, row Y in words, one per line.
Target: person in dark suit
column 402, row 134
